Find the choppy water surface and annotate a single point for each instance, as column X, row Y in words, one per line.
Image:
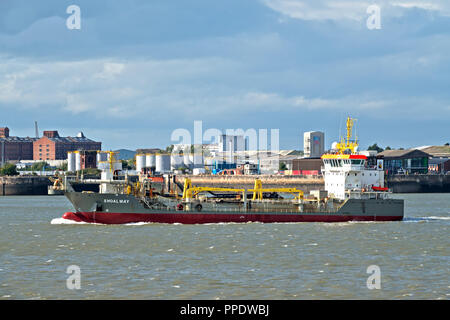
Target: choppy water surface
column 223, row 261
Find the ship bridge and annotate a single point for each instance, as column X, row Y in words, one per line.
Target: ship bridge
column 345, row 170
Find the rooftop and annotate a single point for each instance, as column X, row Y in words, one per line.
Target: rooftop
column 70, row 139
column 18, row 139
column 438, row 151
column 407, row 153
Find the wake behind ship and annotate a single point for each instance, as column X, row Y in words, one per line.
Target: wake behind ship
column 353, row 192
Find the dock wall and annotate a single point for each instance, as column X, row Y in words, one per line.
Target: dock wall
column 24, row 185
column 421, row 183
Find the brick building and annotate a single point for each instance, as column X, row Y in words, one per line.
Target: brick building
column 53, row 147
column 15, row 148
column 88, row 159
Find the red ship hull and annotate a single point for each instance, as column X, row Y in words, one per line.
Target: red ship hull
column 186, row 218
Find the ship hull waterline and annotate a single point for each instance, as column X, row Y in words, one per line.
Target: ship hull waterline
column 121, row 209
column 187, row 218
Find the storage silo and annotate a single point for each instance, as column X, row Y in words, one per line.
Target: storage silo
column 150, row 160
column 117, row 165
column 71, row 161
column 162, row 163
column 176, row 161
column 102, row 156
column 77, row 160
column 140, row 162
column 208, row 161
column 187, row 161
column 103, row 165
column 198, row 160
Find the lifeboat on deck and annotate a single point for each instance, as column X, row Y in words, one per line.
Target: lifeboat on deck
column 379, row 188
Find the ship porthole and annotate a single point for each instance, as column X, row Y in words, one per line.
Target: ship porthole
column 198, row 207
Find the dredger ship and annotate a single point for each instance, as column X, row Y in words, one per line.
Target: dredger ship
column 353, row 191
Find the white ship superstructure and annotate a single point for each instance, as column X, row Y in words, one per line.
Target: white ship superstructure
column 346, row 173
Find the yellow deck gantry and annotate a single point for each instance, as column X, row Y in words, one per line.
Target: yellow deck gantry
column 259, row 190
column 190, row 191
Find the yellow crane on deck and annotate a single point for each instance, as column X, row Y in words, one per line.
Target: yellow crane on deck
column 190, row 191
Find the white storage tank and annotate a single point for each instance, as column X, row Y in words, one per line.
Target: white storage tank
column 140, row 162
column 187, row 161
column 102, row 156
column 117, row 165
column 198, row 161
column 198, row 171
column 150, row 160
column 162, row 163
column 104, row 165
column 208, row 161
column 77, row 160
column 176, row 161
column 71, row 162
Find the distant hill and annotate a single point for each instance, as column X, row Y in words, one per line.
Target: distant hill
column 124, row 154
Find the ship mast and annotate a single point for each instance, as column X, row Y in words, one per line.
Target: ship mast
column 348, row 144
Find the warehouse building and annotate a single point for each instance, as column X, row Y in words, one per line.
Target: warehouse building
column 15, row 148
column 307, row 166
column 408, row 161
column 53, row 147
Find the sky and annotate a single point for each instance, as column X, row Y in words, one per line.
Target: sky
column 136, row 70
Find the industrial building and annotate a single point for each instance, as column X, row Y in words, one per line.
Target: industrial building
column 231, row 143
column 408, row 161
column 307, row 166
column 313, row 144
column 15, row 148
column 53, row 147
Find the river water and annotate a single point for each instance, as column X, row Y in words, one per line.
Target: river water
column 223, row 261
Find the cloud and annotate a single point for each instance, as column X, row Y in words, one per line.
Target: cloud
column 106, row 88
column 351, row 10
column 143, row 68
